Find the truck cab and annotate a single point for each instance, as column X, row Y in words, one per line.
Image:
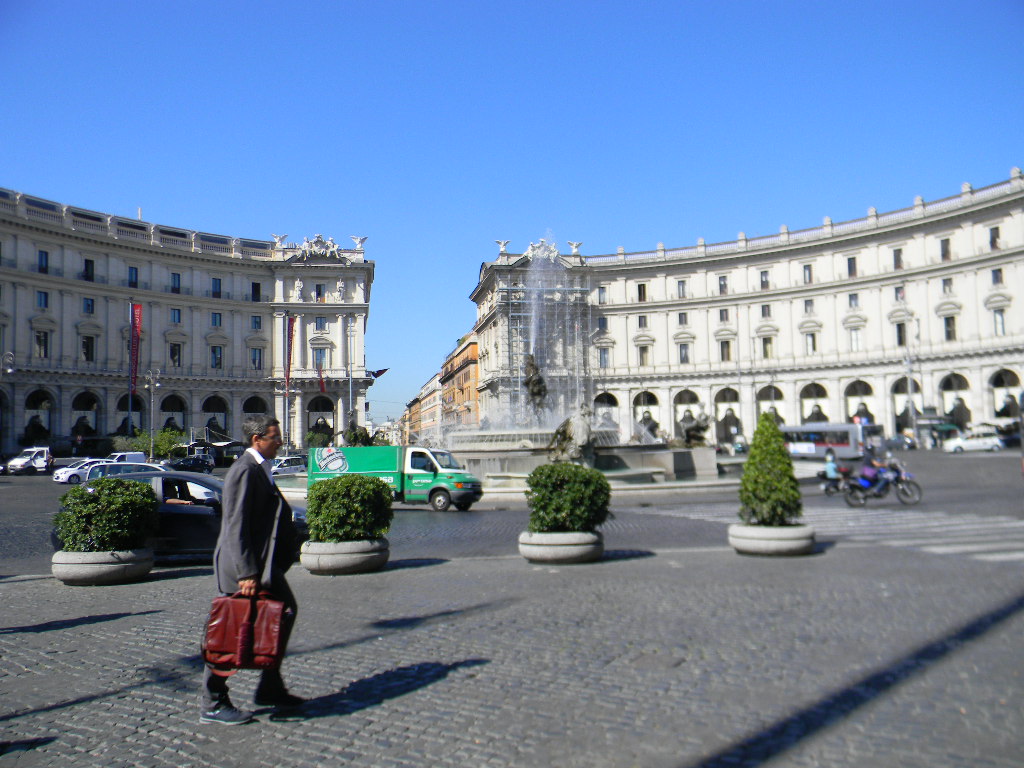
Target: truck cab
column 31, row 460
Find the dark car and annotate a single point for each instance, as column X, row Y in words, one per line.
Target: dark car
column 192, row 464
column 190, row 514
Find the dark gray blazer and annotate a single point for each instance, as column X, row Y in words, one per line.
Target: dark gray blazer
column 250, row 504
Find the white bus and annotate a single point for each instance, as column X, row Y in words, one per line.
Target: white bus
column 815, row 439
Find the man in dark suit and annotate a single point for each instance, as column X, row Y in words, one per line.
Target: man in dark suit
column 251, row 504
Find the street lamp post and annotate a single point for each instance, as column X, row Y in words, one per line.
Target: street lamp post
column 152, row 382
column 8, row 368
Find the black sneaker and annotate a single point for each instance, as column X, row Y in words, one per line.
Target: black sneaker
column 225, row 713
column 281, row 699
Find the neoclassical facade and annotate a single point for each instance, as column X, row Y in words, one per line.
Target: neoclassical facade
column 217, row 316
column 858, row 317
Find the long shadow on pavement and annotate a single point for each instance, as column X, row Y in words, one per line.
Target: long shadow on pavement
column 377, row 689
column 787, row 733
column 51, row 626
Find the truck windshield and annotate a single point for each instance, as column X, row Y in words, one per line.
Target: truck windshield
column 446, row 460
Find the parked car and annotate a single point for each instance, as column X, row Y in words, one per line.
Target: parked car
column 136, row 456
column 190, row 514
column 112, row 468
column 982, row 440
column 289, row 465
column 200, row 462
column 77, row 472
column 30, row 461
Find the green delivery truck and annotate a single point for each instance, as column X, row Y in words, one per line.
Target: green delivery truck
column 416, row 475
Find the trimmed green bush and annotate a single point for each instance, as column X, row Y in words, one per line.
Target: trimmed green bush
column 769, row 492
column 110, row 514
column 567, row 498
column 349, row 508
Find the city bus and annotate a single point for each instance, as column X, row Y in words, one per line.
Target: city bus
column 815, row 439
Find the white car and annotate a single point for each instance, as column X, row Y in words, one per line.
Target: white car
column 289, row 465
column 75, row 473
column 115, row 468
column 973, row 441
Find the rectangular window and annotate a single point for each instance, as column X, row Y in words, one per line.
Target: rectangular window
column 901, row 334
column 256, row 291
column 949, row 325
column 897, row 258
column 808, row 274
column 42, row 346
column 256, row 323
column 810, row 343
column 643, row 353
column 767, row 347
column 320, row 358
column 602, row 323
column 765, row 284
column 641, row 292
column 217, row 357
column 641, row 321
column 215, row 287
column 42, row 299
column 999, row 322
column 944, row 250
column 680, row 289
column 723, row 315
column 43, row 262
column 175, row 282
column 993, row 238
column 320, row 323
column 899, row 293
column 684, row 353
column 174, row 354
column 947, row 286
column 320, row 293
column 603, row 357
column 854, row 300
column 133, row 277
column 808, row 306
column 766, row 311
column 89, row 349
column 851, row 266
column 602, row 294
column 683, row 318
column 855, row 339
column 89, row 270
column 88, row 306
column 723, row 284
column 997, row 277
column 256, row 358
column 215, row 319
column 175, row 316
column 725, row 350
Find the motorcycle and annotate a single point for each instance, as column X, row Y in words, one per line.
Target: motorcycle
column 833, row 486
column 902, row 482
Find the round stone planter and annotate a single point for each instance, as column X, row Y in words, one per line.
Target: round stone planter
column 88, row 569
column 336, row 558
column 561, row 548
column 780, row 540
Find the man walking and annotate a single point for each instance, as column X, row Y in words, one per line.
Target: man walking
column 251, row 504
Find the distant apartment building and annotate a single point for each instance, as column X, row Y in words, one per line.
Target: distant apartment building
column 459, row 397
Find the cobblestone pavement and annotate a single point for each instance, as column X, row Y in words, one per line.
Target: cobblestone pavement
column 673, row 651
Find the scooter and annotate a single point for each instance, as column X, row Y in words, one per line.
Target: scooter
column 833, row 486
column 902, row 482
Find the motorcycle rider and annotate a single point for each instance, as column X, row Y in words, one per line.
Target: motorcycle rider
column 874, row 469
column 832, row 476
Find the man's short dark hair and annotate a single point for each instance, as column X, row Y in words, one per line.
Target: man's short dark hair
column 257, row 424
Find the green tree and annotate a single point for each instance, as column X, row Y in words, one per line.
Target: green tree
column 769, row 492
column 318, row 440
column 165, row 441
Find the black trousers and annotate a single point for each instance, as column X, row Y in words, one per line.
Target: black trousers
column 215, row 686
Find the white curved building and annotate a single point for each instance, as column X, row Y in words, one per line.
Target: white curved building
column 819, row 324
column 215, row 318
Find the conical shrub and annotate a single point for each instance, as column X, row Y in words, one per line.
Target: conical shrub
column 769, row 492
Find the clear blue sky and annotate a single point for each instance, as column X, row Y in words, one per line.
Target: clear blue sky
column 436, row 128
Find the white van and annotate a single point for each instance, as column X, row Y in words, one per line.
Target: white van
column 136, row 456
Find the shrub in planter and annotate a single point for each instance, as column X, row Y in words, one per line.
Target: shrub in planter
column 108, row 515
column 769, row 492
column 349, row 508
column 103, row 529
column 566, row 498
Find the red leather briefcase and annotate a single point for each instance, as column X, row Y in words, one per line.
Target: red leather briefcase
column 246, row 632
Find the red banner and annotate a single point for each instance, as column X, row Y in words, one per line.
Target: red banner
column 323, row 385
column 288, row 354
column 133, row 358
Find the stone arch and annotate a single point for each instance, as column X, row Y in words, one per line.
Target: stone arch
column 605, row 411
column 85, row 409
column 646, row 417
column 727, row 421
column 860, row 402
column 813, row 401
column 255, row 404
column 954, row 405
column 1005, row 393
column 216, row 419
column 174, row 413
column 320, row 415
column 767, row 399
column 38, row 418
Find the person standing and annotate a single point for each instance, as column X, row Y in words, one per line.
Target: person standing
column 251, row 505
